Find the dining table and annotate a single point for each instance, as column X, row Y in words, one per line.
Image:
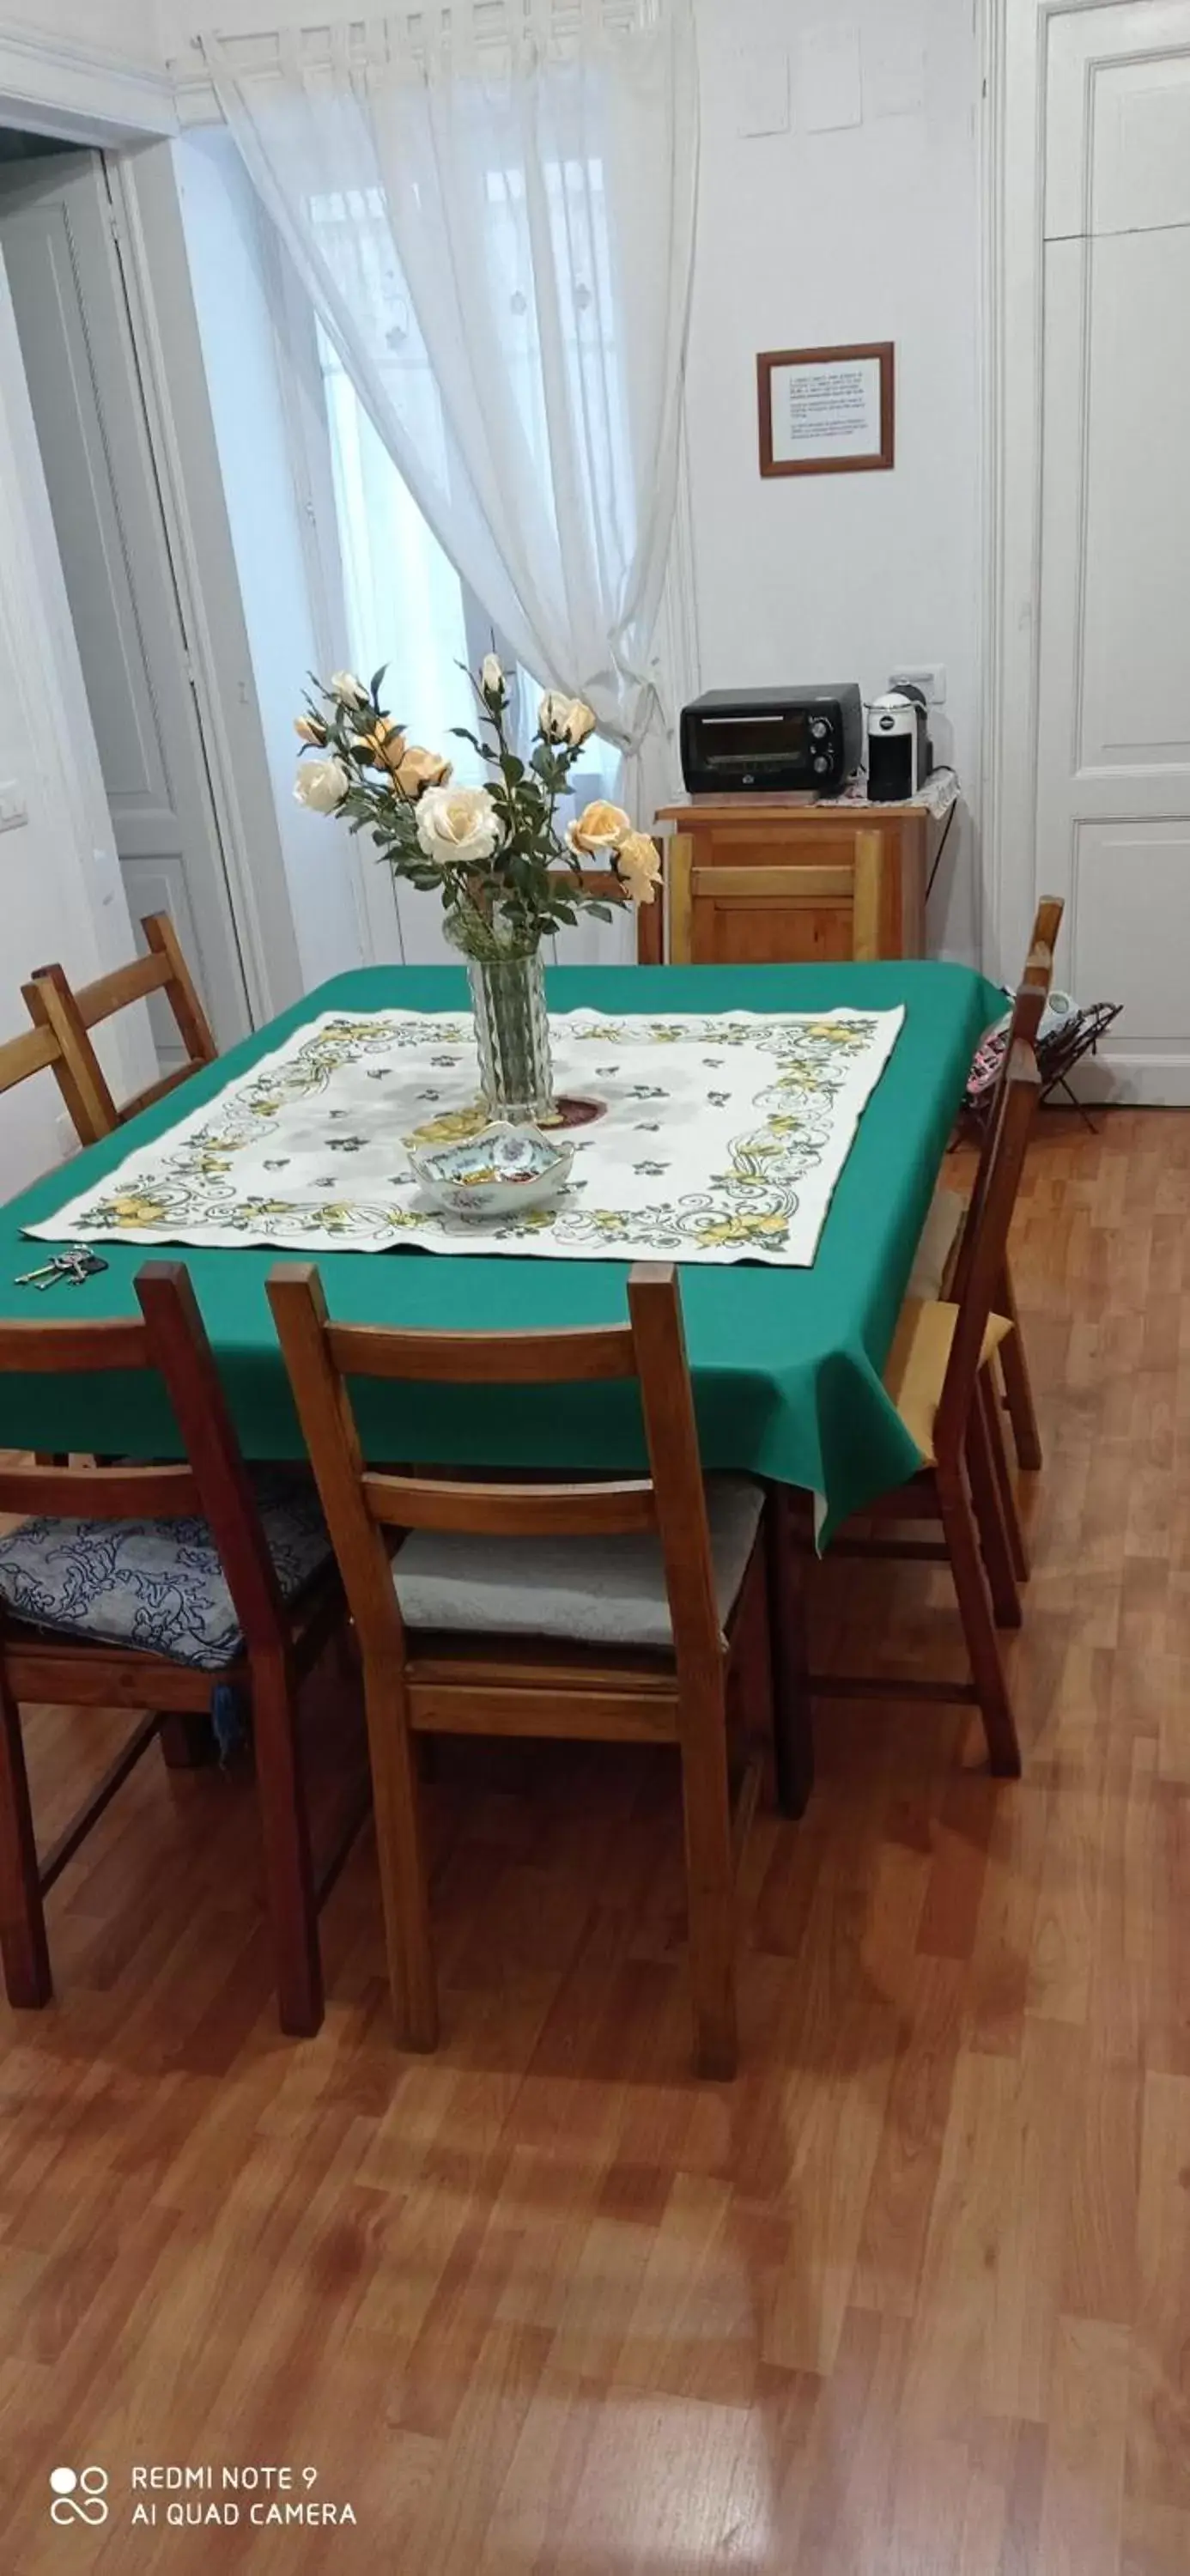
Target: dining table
column 786, row 1362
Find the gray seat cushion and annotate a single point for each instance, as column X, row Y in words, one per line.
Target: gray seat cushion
column 157, row 1585
column 594, row 1591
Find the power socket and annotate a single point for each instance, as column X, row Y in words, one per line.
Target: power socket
column 929, row 677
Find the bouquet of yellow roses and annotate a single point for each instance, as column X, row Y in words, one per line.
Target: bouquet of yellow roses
column 507, row 875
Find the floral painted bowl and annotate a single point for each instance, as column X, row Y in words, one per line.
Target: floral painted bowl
column 499, row 1171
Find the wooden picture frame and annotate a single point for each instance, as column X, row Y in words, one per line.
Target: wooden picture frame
column 862, row 409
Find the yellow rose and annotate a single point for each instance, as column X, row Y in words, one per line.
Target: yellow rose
column 638, row 864
column 310, row 729
column 600, row 828
column 383, row 747
column 420, row 769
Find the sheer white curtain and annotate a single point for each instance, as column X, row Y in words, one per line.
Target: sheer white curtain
column 494, row 215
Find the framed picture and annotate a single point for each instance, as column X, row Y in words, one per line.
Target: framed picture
column 826, row 411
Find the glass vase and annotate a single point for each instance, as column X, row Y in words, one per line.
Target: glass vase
column 512, row 1032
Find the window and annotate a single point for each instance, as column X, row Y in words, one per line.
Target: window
column 389, row 593
column 405, row 604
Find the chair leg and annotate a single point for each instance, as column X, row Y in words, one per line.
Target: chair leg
column 285, row 1832
column 24, row 1948
column 986, row 1391
column 392, row 1753
column 710, row 1876
column 988, row 1504
column 187, row 1740
column 987, row 1671
column 1018, row 1389
column 793, row 1713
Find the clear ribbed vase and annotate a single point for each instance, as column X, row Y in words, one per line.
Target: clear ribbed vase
column 512, row 1031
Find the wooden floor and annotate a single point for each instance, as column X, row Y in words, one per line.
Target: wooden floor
column 912, row 2295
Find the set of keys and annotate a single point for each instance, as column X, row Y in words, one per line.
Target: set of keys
column 79, row 1262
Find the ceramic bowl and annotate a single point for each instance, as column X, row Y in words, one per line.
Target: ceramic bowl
column 500, row 1171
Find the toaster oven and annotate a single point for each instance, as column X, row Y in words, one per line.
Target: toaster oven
column 767, row 740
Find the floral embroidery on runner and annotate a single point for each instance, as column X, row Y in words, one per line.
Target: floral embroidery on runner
column 723, row 1140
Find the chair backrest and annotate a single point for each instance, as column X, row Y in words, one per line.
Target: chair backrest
column 360, row 1503
column 172, row 1340
column 1026, row 1019
column 70, row 1015
column 715, row 904
column 985, row 1242
column 604, row 887
column 1047, row 922
column 38, row 1050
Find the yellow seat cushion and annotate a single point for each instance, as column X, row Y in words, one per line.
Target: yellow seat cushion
column 916, row 1365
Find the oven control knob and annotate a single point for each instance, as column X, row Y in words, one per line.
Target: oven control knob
column 818, row 730
column 821, row 761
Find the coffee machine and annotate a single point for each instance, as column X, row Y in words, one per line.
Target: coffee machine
column 900, row 754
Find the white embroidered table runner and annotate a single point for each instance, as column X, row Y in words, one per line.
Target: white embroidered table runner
column 722, row 1140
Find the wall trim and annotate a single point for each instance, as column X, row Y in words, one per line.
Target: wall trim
column 85, row 93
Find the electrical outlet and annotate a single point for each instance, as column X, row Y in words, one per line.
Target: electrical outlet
column 929, row 677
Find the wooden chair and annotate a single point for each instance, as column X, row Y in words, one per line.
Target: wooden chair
column 271, row 1599
column 69, row 1016
column 724, row 915
column 664, row 1639
column 39, row 1050
column 938, row 1377
column 650, row 917
column 938, row 1251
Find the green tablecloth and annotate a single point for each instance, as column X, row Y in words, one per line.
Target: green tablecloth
column 786, row 1363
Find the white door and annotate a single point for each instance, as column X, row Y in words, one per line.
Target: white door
column 59, row 247
column 1113, row 781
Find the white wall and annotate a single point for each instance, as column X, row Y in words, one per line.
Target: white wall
column 219, row 214
column 60, row 890
column 866, row 232
column 130, row 27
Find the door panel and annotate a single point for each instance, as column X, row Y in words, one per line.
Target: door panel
column 1136, row 538
column 1113, row 767
column 80, row 363
column 1126, row 875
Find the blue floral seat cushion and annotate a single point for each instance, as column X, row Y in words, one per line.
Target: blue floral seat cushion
column 157, row 1585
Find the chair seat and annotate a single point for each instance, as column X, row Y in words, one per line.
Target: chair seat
column 916, row 1365
column 156, row 1586
column 930, row 1276
column 600, row 1592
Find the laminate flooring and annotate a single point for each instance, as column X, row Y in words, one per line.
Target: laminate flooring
column 912, row 2295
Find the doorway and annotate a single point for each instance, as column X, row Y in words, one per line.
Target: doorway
column 59, row 239
column 1090, row 709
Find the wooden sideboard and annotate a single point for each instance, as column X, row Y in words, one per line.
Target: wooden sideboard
column 760, row 880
